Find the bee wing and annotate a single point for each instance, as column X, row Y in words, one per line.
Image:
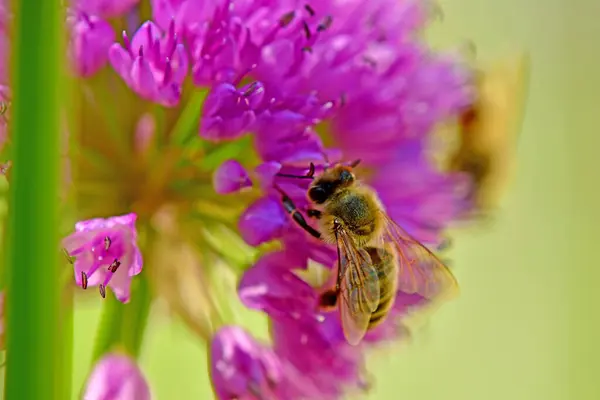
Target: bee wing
column 420, row 271
column 359, row 288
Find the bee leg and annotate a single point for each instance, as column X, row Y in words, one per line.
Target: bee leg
column 309, row 175
column 312, row 213
column 340, row 273
column 291, row 208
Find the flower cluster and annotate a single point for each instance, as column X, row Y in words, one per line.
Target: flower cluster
column 116, row 376
column 296, row 76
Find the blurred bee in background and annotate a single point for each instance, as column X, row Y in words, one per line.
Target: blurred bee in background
column 487, row 131
column 4, row 105
column 376, row 257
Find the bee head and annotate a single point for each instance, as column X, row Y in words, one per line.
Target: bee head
column 331, row 181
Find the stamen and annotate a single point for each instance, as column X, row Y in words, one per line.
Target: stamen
column 149, row 34
column 114, row 266
column 325, row 24
column 306, row 30
column 168, row 72
column 155, row 50
column 287, row 19
column 251, row 89
column 107, row 243
column 307, row 49
column 102, row 290
column 309, row 10
column 84, row 280
column 311, row 170
column 69, row 257
column 127, row 42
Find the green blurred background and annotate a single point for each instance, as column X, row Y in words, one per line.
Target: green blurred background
column 526, row 320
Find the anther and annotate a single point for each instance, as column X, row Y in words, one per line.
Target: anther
column 286, row 19
column 251, row 89
column 309, row 10
column 306, row 30
column 102, row 290
column 325, row 24
column 114, row 266
column 311, row 170
column 84, row 280
column 107, row 243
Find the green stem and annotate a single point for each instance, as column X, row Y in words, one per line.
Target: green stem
column 109, row 328
column 38, row 361
column 186, row 126
column 136, row 317
column 122, row 326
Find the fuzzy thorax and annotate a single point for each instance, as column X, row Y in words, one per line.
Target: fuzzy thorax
column 357, row 209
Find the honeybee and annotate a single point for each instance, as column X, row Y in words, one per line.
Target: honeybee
column 488, row 130
column 4, row 105
column 376, row 257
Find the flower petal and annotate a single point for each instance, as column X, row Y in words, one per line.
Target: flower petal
column 263, row 221
column 230, row 177
column 272, row 287
column 116, row 377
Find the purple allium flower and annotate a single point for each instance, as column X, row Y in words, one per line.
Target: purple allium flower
column 106, row 253
column 116, row 377
column 381, row 94
column 231, row 177
column 271, row 286
column 428, row 199
column 320, row 353
column 242, row 368
column 5, row 17
column 229, row 112
column 310, row 85
column 105, row 8
column 91, row 37
column 263, row 221
column 152, row 64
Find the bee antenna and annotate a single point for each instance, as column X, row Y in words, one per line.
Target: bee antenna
column 327, row 162
column 355, row 163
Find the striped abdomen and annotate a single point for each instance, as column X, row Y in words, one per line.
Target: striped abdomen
column 384, row 262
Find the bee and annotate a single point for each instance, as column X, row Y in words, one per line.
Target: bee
column 488, row 130
column 4, row 106
column 376, row 257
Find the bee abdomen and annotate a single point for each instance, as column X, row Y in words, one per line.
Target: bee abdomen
column 384, row 262
column 386, row 302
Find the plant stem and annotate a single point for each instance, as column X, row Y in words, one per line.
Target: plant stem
column 136, row 317
column 109, row 328
column 122, row 326
column 38, row 344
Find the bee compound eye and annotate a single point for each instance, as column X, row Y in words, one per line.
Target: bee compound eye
column 346, row 176
column 317, row 194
